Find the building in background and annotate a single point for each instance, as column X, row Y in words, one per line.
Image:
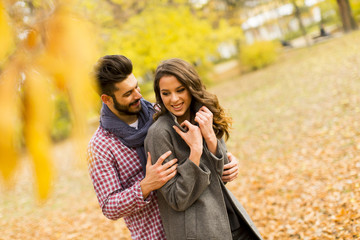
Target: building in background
column 274, row 19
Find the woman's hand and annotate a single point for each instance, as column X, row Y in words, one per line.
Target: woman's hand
column 204, row 117
column 193, row 139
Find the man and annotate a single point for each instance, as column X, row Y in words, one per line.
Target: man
column 123, row 177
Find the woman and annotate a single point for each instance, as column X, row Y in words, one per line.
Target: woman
column 194, row 204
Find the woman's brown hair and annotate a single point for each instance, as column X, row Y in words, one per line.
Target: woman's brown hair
column 188, row 76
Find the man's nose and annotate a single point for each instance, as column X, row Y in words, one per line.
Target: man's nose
column 138, row 94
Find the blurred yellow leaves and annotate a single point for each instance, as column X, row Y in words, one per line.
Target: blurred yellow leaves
column 259, row 54
column 163, row 31
column 6, row 39
column 9, row 120
column 37, row 109
column 54, row 55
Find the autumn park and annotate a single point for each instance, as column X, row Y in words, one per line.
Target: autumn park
column 286, row 71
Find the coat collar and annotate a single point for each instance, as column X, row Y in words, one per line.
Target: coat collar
column 195, row 106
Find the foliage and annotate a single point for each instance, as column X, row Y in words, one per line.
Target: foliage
column 148, row 32
column 355, row 6
column 48, row 49
column 259, row 54
column 163, row 32
column 330, row 12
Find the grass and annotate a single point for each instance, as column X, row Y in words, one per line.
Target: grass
column 296, row 134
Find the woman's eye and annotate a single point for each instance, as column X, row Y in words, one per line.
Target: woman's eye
column 181, row 90
column 164, row 94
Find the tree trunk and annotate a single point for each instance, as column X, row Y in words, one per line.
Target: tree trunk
column 347, row 18
column 301, row 24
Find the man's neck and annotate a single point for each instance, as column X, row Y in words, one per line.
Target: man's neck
column 129, row 119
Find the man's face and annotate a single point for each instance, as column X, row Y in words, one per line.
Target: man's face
column 126, row 99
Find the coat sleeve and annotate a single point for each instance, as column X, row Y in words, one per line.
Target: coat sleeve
column 191, row 180
column 220, row 157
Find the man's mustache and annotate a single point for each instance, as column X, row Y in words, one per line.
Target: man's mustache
column 135, row 102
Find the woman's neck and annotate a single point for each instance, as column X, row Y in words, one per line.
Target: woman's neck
column 187, row 116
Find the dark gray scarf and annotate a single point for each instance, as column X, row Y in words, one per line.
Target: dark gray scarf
column 131, row 137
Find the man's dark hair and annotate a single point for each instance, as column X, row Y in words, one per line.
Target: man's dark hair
column 112, row 69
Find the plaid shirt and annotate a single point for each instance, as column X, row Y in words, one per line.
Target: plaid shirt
column 116, row 173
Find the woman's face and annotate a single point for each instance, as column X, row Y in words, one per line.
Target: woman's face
column 176, row 97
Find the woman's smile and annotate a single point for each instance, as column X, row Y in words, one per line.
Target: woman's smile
column 178, row 107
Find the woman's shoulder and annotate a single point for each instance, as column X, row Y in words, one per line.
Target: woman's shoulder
column 161, row 125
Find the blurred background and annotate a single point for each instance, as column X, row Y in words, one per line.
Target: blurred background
column 287, row 71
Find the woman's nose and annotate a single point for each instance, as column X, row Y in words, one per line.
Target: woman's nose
column 174, row 97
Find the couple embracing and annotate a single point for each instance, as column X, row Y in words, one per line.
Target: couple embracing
column 175, row 147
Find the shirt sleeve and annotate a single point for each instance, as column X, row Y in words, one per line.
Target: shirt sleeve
column 191, row 180
column 115, row 201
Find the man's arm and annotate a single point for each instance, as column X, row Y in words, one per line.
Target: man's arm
column 115, row 200
column 231, row 170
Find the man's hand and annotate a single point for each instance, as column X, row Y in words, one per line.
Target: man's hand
column 158, row 174
column 231, row 169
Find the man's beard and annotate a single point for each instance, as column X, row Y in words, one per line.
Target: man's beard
column 126, row 108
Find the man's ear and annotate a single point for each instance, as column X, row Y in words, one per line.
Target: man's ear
column 106, row 99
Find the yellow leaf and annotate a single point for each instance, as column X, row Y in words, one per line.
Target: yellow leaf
column 70, row 53
column 6, row 39
column 32, row 39
column 9, row 120
column 38, row 113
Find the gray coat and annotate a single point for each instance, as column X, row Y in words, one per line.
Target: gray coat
column 192, row 204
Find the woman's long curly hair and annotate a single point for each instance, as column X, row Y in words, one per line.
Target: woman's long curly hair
column 187, row 75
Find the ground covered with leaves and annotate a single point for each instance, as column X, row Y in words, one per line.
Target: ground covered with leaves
column 296, row 133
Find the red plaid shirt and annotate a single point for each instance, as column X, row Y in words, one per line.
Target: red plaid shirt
column 116, row 173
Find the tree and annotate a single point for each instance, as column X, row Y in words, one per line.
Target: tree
column 298, row 17
column 164, row 31
column 347, row 18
